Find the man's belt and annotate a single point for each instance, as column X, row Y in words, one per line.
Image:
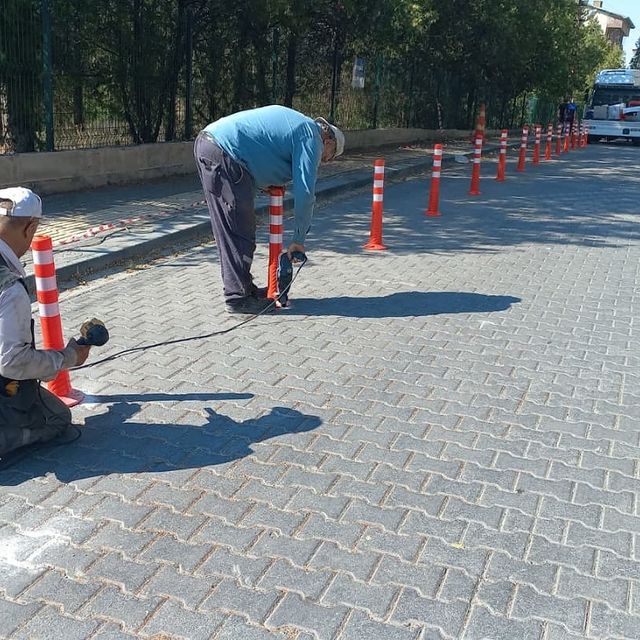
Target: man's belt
column 8, row 388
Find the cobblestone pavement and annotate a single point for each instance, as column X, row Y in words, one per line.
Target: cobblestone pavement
column 437, row 441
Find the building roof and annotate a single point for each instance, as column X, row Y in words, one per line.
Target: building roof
column 611, row 14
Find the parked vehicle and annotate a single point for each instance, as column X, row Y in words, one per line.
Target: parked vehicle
column 613, row 109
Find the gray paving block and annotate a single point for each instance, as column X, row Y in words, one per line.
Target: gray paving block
column 111, row 604
column 229, row 596
column 66, row 592
column 172, row 620
column 286, row 577
column 189, row 590
column 15, row 614
column 294, row 612
column 485, row 624
column 375, row 599
column 361, row 627
column 448, row 616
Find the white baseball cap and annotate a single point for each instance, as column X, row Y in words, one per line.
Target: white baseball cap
column 26, row 204
column 338, row 135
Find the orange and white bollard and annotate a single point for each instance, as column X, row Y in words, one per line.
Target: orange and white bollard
column 523, row 149
column 547, row 150
column 536, row 146
column 276, row 230
column 567, row 135
column 586, row 135
column 502, row 158
column 433, row 209
column 47, row 294
column 475, row 173
column 573, row 135
column 481, row 121
column 375, row 238
column 559, row 140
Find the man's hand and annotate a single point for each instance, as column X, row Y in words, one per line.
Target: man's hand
column 82, row 351
column 294, row 246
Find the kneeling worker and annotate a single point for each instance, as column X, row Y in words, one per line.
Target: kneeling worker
column 250, row 150
column 28, row 412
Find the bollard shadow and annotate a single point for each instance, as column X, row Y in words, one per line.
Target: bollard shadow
column 114, row 443
column 402, row 304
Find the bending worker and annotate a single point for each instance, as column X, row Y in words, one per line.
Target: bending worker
column 252, row 150
column 28, row 412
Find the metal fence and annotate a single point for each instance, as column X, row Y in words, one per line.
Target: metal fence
column 77, row 74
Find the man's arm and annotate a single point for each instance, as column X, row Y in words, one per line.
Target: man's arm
column 304, row 170
column 18, row 360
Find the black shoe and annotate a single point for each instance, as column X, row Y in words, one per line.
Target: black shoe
column 258, row 292
column 249, row 305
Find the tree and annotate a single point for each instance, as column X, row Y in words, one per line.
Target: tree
column 634, row 63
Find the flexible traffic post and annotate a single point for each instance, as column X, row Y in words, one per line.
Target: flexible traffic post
column 433, row 209
column 375, row 238
column 574, row 127
column 523, row 149
column 276, row 230
column 475, row 173
column 536, row 146
column 567, row 135
column 559, row 140
column 49, row 310
column 586, row 135
column 547, row 150
column 502, row 158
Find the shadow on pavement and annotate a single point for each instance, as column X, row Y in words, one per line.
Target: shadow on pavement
column 401, row 305
column 111, row 443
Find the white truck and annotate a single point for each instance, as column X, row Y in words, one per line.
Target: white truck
column 613, row 110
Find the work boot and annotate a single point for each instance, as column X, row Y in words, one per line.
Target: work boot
column 258, row 292
column 250, row 305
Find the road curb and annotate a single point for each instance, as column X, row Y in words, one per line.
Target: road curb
column 334, row 186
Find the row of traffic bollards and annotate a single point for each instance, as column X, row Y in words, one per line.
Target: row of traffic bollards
column 567, row 138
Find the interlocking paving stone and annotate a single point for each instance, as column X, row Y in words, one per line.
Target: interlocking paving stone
column 436, row 441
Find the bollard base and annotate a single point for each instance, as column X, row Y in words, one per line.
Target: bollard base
column 433, row 214
column 375, row 246
column 73, row 398
column 474, row 192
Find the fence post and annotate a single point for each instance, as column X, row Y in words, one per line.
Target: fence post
column 47, row 74
column 188, row 74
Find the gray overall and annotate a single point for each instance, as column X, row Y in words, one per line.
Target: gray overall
column 230, row 194
column 33, row 414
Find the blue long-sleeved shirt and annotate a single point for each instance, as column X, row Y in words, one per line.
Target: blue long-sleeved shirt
column 276, row 145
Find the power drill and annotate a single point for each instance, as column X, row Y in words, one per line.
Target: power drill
column 285, row 274
column 93, row 333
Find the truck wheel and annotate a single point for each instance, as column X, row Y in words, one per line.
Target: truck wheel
column 636, row 142
column 592, row 139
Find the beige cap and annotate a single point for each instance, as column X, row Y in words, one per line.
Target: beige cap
column 26, row 204
column 337, row 134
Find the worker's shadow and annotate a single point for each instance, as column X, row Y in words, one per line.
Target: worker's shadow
column 402, row 304
column 113, row 443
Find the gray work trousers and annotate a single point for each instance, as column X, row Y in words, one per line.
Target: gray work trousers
column 230, row 194
column 32, row 415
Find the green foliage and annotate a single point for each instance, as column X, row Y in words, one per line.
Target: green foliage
column 429, row 63
column 634, row 63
